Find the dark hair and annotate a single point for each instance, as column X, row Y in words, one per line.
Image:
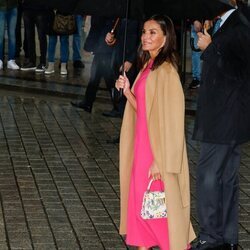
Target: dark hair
column 168, row 52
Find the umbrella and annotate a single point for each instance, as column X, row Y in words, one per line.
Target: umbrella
column 107, row 8
column 141, row 9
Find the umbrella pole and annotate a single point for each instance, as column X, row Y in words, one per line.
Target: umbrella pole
column 125, row 41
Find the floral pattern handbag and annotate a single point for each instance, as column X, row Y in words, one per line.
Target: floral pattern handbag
column 153, row 205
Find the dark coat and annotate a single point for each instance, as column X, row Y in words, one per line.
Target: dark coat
column 65, row 6
column 223, row 110
column 95, row 41
column 7, row 5
column 133, row 34
column 246, row 11
column 36, row 5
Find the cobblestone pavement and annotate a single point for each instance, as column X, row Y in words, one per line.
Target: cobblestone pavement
column 59, row 186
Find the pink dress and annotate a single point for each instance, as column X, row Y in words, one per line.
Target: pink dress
column 140, row 232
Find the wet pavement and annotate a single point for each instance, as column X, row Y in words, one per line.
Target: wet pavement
column 59, row 180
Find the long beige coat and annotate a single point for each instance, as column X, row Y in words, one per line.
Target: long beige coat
column 165, row 117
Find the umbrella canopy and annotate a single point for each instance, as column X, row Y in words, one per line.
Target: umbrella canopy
column 179, row 9
column 141, row 9
column 207, row 9
column 107, row 8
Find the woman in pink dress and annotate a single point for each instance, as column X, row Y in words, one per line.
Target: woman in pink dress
column 157, row 54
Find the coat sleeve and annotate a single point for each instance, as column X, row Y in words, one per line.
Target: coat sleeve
column 173, row 112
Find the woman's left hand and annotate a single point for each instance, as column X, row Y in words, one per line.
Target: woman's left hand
column 154, row 172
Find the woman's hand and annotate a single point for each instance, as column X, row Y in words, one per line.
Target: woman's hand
column 154, row 172
column 123, row 83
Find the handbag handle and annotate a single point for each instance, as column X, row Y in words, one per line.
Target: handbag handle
column 149, row 185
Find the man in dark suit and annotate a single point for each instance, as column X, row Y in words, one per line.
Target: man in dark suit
column 222, row 125
column 101, row 64
column 117, row 39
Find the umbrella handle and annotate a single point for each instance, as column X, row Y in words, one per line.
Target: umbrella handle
column 115, row 25
column 125, row 43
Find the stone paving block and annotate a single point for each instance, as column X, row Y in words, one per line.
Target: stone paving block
column 44, row 246
column 109, row 243
column 4, row 246
column 20, row 243
column 46, row 186
column 66, row 244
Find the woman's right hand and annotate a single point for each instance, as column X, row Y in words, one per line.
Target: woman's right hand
column 123, row 83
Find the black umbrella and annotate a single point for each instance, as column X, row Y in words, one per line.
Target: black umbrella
column 140, row 9
column 106, row 8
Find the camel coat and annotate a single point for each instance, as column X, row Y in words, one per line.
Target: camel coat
column 165, row 118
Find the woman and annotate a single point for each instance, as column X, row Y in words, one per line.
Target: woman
column 64, row 48
column 152, row 143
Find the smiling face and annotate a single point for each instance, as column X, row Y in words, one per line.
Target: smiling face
column 152, row 38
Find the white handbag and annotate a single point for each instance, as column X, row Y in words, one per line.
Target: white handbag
column 153, row 205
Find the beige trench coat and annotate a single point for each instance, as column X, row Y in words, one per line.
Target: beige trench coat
column 165, row 117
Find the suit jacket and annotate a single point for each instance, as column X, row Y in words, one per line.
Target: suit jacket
column 95, row 41
column 34, row 5
column 165, row 120
column 133, row 34
column 223, row 109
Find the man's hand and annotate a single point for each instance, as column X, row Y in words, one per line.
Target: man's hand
column 110, row 39
column 204, row 40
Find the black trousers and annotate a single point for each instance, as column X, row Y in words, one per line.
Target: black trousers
column 19, row 43
column 100, row 68
column 218, row 192
column 38, row 19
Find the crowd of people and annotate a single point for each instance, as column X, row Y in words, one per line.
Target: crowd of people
column 35, row 15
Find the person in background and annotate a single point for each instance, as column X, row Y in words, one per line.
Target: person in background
column 196, row 27
column 64, row 49
column 116, row 40
column 8, row 15
column 222, row 124
column 21, row 42
column 63, row 8
column 101, row 64
column 196, row 54
column 152, row 143
column 77, row 43
column 35, row 15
